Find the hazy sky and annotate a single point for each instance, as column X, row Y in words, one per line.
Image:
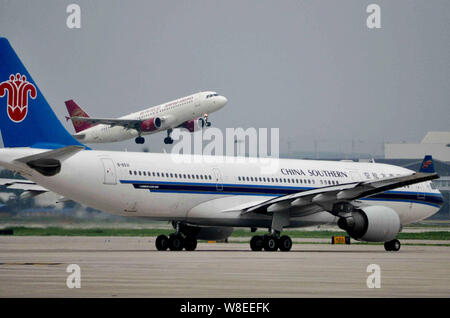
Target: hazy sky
column 311, row 68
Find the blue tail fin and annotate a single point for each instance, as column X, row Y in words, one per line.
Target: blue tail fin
column 26, row 119
column 427, row 165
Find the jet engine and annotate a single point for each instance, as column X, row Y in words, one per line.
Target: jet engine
column 151, row 124
column 167, row 121
column 193, row 124
column 372, row 224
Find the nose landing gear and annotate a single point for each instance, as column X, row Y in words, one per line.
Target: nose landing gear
column 205, row 121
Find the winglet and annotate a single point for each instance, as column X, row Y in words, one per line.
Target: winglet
column 427, row 164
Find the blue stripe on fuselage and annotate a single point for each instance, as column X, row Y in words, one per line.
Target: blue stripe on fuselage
column 427, row 198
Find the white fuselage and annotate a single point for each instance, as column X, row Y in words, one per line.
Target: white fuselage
column 173, row 113
column 200, row 192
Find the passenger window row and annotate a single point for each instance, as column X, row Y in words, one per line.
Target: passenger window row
column 170, row 175
column 278, row 180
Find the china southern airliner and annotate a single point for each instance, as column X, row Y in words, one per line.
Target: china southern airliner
column 190, row 112
column 206, row 199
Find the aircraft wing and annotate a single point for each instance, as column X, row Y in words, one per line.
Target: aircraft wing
column 325, row 198
column 22, row 184
column 127, row 123
column 30, row 188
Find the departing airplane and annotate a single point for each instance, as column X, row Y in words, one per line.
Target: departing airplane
column 205, row 200
column 184, row 112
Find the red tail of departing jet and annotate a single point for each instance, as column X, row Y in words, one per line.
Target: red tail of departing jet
column 76, row 111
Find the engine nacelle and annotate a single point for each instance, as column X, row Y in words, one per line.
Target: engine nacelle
column 213, row 233
column 167, row 121
column 372, row 224
column 193, row 124
column 151, row 124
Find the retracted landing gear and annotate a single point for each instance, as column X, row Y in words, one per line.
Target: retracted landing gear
column 139, row 140
column 176, row 241
column 392, row 246
column 168, row 140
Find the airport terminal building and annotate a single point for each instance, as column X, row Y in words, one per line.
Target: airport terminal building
column 410, row 155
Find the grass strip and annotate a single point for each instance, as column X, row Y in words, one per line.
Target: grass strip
column 59, row 231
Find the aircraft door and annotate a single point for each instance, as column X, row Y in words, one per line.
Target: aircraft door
column 109, row 171
column 218, row 179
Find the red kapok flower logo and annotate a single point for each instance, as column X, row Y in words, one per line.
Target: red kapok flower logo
column 17, row 88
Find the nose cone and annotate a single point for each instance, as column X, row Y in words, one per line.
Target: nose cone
column 221, row 101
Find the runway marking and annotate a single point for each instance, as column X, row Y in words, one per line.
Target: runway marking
column 33, row 264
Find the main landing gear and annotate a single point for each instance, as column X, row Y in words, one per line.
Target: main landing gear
column 392, row 246
column 139, row 140
column 271, row 243
column 176, row 241
column 168, row 140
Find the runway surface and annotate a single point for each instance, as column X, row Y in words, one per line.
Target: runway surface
column 131, row 267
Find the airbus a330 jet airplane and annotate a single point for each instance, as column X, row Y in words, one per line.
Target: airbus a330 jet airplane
column 184, row 112
column 206, row 200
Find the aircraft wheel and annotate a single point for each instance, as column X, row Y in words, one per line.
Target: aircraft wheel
column 162, row 243
column 285, row 243
column 139, row 140
column 190, row 243
column 175, row 242
column 256, row 243
column 393, row 245
column 270, row 244
column 168, row 140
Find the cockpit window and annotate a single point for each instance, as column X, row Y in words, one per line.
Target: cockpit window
column 212, row 95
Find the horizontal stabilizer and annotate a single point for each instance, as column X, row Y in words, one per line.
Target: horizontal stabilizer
column 58, row 154
column 48, row 163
